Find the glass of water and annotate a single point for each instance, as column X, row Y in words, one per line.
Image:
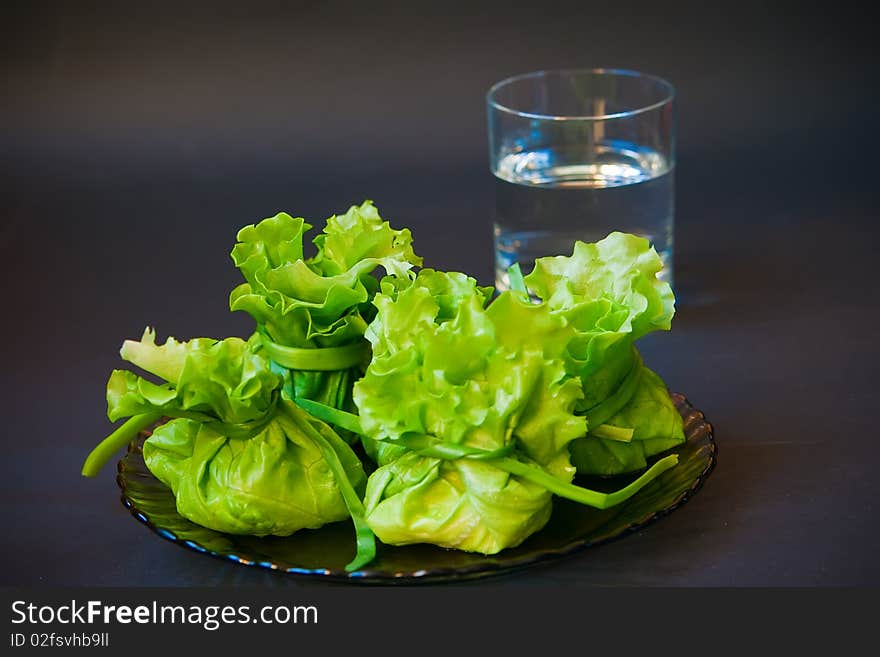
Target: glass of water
column 577, row 154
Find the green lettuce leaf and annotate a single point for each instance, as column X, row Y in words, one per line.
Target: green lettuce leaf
column 227, row 380
column 657, row 426
column 465, row 504
column 621, row 269
column 275, row 482
column 609, row 292
column 319, row 301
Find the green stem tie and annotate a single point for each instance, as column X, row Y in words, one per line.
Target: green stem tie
column 584, row 495
column 130, row 428
column 324, row 359
column 426, row 445
column 331, row 415
column 366, row 540
column 115, row 441
column 423, row 445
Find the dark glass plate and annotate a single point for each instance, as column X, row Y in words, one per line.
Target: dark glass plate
column 323, row 553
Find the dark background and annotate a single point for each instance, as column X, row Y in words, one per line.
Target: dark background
column 136, row 138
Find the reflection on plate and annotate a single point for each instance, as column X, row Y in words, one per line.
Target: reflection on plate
column 323, row 553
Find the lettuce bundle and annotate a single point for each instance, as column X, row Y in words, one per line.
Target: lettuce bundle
column 473, row 412
column 440, row 375
column 239, row 458
column 312, row 312
column 609, row 293
column 469, row 411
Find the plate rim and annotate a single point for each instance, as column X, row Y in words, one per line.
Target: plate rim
column 444, row 574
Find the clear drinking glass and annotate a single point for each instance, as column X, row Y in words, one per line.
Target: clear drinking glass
column 577, row 154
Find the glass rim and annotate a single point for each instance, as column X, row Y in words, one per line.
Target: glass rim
column 665, row 84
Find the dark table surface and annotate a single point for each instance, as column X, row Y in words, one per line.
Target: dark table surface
column 138, row 138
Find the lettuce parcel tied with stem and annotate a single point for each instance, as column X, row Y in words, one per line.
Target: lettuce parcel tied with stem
column 312, row 312
column 609, row 294
column 477, row 412
column 238, row 457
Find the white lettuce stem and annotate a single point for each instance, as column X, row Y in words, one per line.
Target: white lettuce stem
column 610, row 432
